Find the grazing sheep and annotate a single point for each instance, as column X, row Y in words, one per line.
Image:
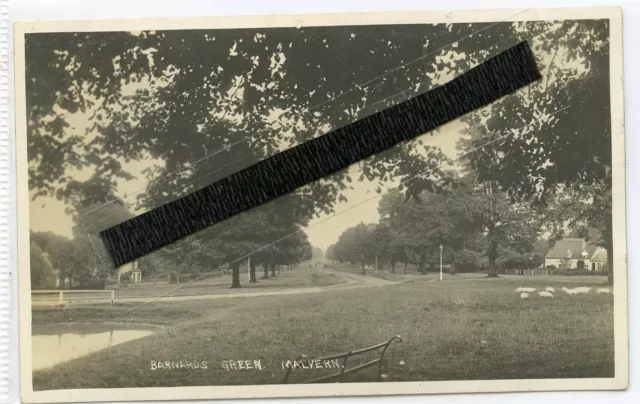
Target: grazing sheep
column 582, row 289
column 604, row 291
column 550, row 289
column 544, row 293
column 569, row 291
column 527, row 290
column 524, row 295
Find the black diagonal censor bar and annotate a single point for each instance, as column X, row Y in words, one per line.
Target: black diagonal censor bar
column 321, row 156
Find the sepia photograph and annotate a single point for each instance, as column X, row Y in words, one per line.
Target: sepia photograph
column 486, row 255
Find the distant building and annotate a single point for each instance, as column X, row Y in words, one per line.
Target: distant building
column 571, row 253
column 130, row 268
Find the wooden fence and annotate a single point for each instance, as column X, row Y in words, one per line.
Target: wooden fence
column 536, row 271
column 63, row 297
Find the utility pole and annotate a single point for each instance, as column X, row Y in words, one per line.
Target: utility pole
column 249, row 269
column 441, row 261
column 376, row 265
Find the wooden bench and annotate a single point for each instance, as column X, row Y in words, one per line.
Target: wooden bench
column 344, row 370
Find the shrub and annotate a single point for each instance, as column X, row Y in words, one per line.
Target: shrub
column 468, row 261
column 573, row 272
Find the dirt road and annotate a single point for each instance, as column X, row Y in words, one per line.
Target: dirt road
column 352, row 281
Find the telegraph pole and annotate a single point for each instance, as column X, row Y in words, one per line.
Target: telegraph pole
column 441, row 261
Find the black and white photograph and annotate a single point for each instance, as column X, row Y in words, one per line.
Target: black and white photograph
column 488, row 254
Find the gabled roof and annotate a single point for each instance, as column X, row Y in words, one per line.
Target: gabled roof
column 600, row 256
column 573, row 245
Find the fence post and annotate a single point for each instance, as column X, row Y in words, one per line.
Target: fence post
column 60, row 301
column 113, row 296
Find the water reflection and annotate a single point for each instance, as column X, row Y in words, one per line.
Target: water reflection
column 56, row 344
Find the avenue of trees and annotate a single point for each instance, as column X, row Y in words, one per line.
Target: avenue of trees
column 478, row 231
column 195, row 105
column 76, row 262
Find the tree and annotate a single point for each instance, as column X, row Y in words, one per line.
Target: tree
column 381, row 239
column 220, row 90
column 554, row 137
column 355, row 245
column 73, row 260
column 317, row 254
column 391, row 227
column 189, row 76
column 42, row 274
column 505, row 225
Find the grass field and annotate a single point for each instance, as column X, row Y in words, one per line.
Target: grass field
column 460, row 329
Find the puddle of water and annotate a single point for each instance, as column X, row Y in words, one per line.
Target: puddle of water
column 54, row 345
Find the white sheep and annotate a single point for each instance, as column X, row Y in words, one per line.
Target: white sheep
column 604, row 291
column 550, row 289
column 527, row 290
column 524, row 295
column 569, row 291
column 544, row 293
column 582, row 289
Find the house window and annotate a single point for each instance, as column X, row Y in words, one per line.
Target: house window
column 599, row 266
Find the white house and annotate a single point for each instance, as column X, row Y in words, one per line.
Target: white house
column 130, row 268
column 571, row 253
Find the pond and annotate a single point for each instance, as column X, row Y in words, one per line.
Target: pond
column 59, row 343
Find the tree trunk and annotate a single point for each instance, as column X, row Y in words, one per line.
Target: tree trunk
column 235, row 275
column 421, row 265
column 493, row 254
column 62, row 279
column 252, row 272
column 393, row 267
column 265, row 268
column 610, row 264
column 364, row 270
column 273, row 270
column 405, row 267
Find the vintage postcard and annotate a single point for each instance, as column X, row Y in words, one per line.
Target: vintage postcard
column 485, row 256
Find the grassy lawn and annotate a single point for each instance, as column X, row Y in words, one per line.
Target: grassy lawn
column 414, row 276
column 460, row 329
column 301, row 277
